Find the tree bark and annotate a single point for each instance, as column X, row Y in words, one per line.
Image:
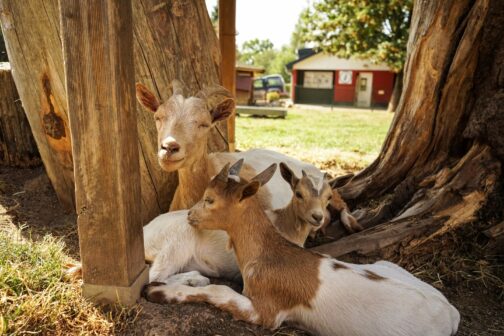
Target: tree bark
column 17, row 147
column 172, row 40
column 396, row 92
column 442, row 156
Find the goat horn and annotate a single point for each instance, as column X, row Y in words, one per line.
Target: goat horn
column 213, row 95
column 223, row 174
column 214, row 90
column 236, row 167
column 178, row 87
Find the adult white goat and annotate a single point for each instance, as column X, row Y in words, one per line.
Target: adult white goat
column 283, row 282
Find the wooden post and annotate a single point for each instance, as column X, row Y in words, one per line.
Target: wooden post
column 227, row 41
column 98, row 52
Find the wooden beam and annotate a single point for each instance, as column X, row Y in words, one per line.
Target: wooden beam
column 17, row 147
column 227, row 41
column 98, row 52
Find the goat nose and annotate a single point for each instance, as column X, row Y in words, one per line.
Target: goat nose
column 317, row 217
column 172, row 147
column 189, row 213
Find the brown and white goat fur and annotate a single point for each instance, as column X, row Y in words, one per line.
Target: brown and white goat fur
column 174, row 246
column 283, row 282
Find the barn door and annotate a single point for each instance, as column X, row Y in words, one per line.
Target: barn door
column 364, row 89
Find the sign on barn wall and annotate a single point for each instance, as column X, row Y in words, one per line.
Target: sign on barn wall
column 318, row 79
column 345, row 77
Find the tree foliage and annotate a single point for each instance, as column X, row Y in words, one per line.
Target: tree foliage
column 262, row 53
column 372, row 29
column 255, row 49
column 214, row 16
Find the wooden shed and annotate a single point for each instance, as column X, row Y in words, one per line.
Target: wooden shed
column 244, row 77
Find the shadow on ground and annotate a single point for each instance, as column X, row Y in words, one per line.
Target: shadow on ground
column 27, row 200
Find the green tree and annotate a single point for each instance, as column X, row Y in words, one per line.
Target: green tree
column 253, row 50
column 277, row 66
column 214, row 16
column 297, row 37
column 371, row 29
column 262, row 53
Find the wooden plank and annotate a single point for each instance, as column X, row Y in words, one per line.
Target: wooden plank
column 98, row 52
column 17, row 147
column 262, row 111
column 227, row 40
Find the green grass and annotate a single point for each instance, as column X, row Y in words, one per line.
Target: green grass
column 35, row 298
column 319, row 135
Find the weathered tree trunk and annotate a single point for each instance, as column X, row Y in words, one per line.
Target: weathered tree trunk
column 17, row 147
column 443, row 154
column 172, row 39
column 396, row 92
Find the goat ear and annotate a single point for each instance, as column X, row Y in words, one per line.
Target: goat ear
column 265, row 175
column 249, row 190
column 146, row 98
column 223, row 110
column 288, row 175
column 223, row 174
column 236, row 167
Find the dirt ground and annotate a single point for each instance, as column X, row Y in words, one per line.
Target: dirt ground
column 27, row 195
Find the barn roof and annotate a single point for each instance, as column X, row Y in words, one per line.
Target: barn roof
column 325, row 61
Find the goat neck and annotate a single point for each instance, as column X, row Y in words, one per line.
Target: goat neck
column 193, row 180
column 290, row 226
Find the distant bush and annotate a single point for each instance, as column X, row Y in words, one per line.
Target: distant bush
column 272, row 96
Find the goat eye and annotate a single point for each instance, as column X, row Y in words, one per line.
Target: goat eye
column 298, row 195
column 209, row 201
column 329, row 198
column 203, row 126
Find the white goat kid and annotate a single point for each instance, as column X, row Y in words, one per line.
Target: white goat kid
column 174, row 246
column 283, row 282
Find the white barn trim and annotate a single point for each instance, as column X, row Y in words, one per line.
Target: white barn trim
column 322, row 61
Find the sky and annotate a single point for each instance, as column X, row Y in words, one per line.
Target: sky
column 262, row 19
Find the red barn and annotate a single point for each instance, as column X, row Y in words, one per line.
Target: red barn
column 320, row 78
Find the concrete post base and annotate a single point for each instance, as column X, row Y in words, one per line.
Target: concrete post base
column 127, row 296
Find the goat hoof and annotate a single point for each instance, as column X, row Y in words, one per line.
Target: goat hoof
column 193, row 279
column 146, row 289
column 198, row 282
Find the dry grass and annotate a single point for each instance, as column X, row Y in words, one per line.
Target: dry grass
column 458, row 258
column 35, row 298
